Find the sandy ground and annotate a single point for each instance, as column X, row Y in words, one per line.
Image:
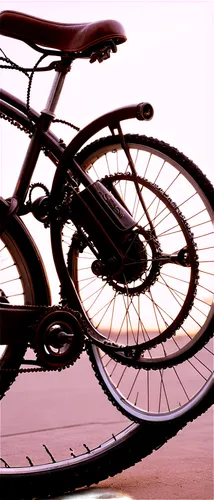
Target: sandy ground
column 69, row 408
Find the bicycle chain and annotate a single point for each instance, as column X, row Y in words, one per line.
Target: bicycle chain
column 29, row 131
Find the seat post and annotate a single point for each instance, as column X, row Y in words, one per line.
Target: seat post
column 62, row 68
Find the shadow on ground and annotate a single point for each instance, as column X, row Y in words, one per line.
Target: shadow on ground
column 92, row 494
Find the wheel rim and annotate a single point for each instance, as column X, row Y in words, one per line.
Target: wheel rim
column 15, row 283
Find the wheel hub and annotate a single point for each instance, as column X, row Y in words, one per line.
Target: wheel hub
column 131, row 266
column 139, row 267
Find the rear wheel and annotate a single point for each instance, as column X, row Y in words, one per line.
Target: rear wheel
column 21, row 283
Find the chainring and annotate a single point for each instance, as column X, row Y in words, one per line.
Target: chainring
column 59, row 338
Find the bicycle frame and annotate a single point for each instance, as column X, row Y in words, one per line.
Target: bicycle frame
column 43, row 138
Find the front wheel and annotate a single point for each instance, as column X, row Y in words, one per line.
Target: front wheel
column 166, row 306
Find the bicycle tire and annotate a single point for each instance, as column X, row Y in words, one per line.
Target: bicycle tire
column 27, row 267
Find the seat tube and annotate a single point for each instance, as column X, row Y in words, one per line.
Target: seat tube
column 44, row 121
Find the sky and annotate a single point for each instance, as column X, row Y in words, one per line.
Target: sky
column 167, row 61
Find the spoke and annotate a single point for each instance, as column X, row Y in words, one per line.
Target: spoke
column 69, row 227
column 200, row 223
column 95, row 293
column 185, row 281
column 174, row 277
column 107, row 164
column 204, row 288
column 181, row 383
column 65, row 236
column 118, row 383
column 113, row 369
column 160, row 309
column 203, row 364
column 109, row 360
column 171, row 290
column 103, row 307
column 120, row 188
column 148, row 164
column 107, row 308
column 188, row 199
column 196, row 369
column 178, row 292
column 164, row 388
column 206, row 248
column 203, row 235
column 143, row 329
column 170, row 229
column 112, row 315
column 208, row 350
column 136, row 204
column 133, row 384
column 118, row 168
column 137, row 395
column 128, row 319
column 10, row 281
column 84, row 269
column 206, row 261
column 121, row 326
column 173, row 181
column 181, row 304
column 86, row 279
column 15, row 295
column 155, row 313
column 161, row 169
column 7, row 267
column 90, row 257
column 198, row 213
column 94, row 169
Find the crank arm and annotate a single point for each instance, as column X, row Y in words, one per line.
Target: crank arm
column 18, row 319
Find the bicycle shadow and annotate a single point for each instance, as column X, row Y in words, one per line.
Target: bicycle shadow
column 91, row 494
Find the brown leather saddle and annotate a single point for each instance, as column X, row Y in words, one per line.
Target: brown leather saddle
column 71, row 38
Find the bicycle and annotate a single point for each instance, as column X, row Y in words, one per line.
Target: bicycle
column 130, row 220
